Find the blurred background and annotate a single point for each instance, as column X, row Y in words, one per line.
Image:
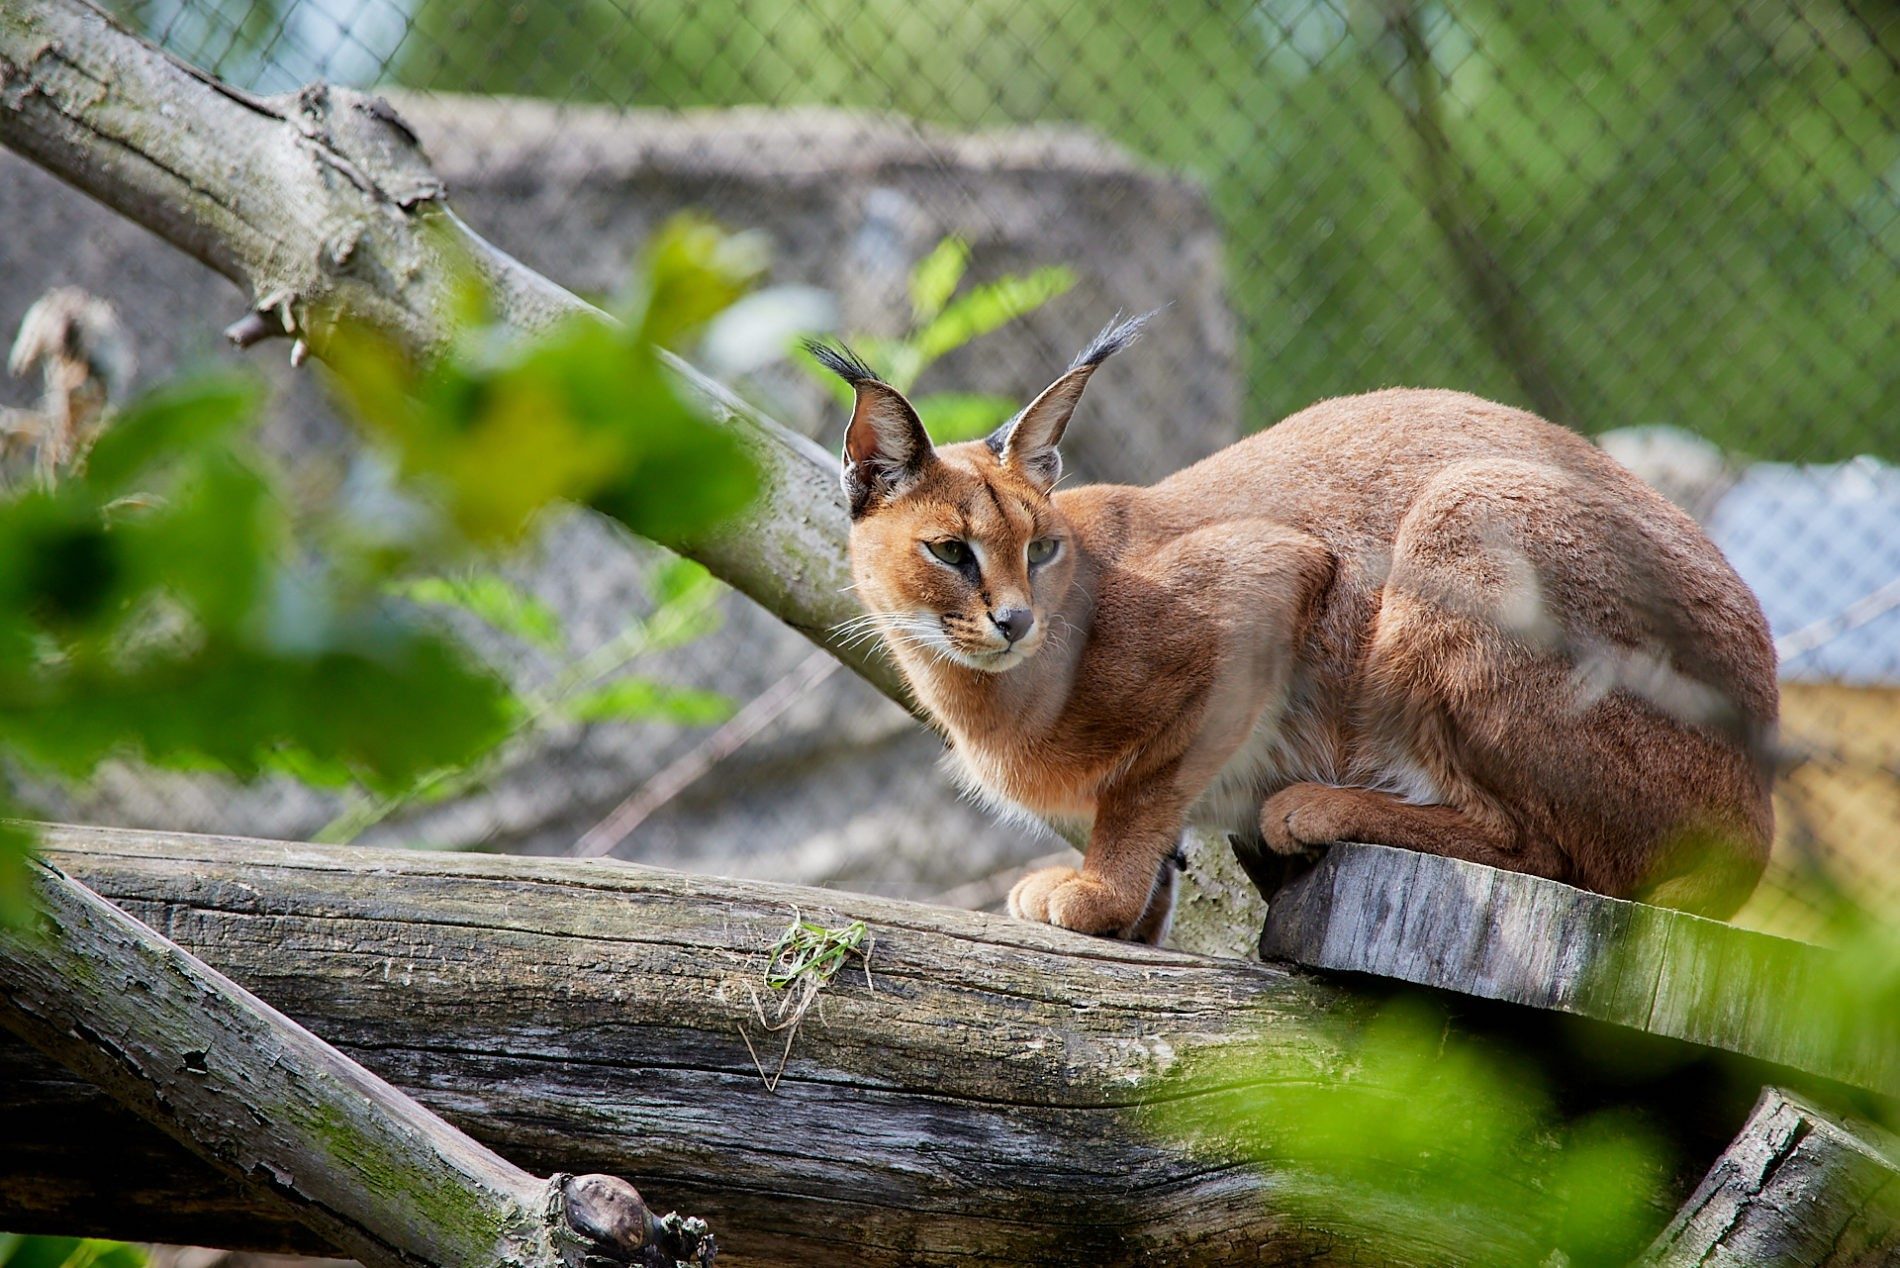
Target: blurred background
column 1674, row 227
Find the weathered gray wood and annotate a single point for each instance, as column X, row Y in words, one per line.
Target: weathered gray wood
column 307, row 1132
column 981, row 1100
column 1501, row 935
column 320, row 206
column 1799, row 1188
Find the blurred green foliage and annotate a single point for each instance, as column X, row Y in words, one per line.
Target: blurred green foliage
column 593, row 688
column 17, row 1251
column 1421, row 1137
column 501, row 426
column 1411, row 1138
column 941, row 322
column 1622, row 213
column 161, row 602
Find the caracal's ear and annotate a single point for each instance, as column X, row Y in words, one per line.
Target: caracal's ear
column 1027, row 442
column 885, row 446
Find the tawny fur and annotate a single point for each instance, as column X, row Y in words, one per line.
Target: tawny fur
column 1411, row 617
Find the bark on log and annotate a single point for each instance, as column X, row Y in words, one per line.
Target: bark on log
column 978, row 1101
column 319, row 203
column 1799, row 1188
column 983, row 1098
column 1463, row 927
column 310, row 1135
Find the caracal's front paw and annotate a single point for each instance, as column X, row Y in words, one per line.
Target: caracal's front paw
column 1029, row 898
column 1069, row 899
column 1299, row 818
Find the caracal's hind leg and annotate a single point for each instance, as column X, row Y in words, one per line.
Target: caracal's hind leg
column 1492, row 724
column 1301, row 817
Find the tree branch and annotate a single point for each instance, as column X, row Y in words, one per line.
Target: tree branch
column 320, row 205
column 309, row 1133
column 1508, row 324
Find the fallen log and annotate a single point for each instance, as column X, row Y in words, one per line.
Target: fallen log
column 302, row 1131
column 980, row 1092
column 1798, row 1188
column 976, row 1100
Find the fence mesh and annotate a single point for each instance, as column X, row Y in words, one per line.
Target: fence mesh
column 1678, row 224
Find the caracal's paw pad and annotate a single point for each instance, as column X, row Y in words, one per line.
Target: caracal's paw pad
column 1297, row 819
column 1066, row 898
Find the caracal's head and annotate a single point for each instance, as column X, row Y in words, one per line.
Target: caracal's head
column 960, row 554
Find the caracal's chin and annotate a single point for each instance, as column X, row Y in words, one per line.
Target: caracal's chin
column 998, row 661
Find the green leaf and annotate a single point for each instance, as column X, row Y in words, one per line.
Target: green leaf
column 954, row 416
column 934, row 279
column 16, row 883
column 489, row 596
column 640, row 699
column 584, row 413
column 181, row 418
column 1421, row 1118
column 679, row 579
column 61, row 570
column 691, row 477
column 678, row 625
column 690, row 270
column 307, row 768
column 213, row 545
column 683, row 595
column 986, row 307
column 67, row 1252
column 388, row 702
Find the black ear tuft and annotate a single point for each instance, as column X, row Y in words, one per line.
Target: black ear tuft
column 1115, row 336
column 885, row 445
column 1028, row 441
column 842, row 362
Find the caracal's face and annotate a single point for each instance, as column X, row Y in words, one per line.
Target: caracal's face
column 969, row 564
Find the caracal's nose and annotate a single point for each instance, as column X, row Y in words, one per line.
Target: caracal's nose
column 1014, row 622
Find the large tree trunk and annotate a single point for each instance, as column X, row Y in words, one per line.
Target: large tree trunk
column 982, row 1091
column 984, row 1094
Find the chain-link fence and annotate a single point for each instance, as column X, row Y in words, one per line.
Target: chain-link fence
column 1678, row 224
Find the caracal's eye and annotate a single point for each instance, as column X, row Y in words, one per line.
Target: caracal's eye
column 951, row 551
column 1043, row 549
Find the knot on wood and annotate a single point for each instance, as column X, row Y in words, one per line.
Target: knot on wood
column 365, row 140
column 608, row 1214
